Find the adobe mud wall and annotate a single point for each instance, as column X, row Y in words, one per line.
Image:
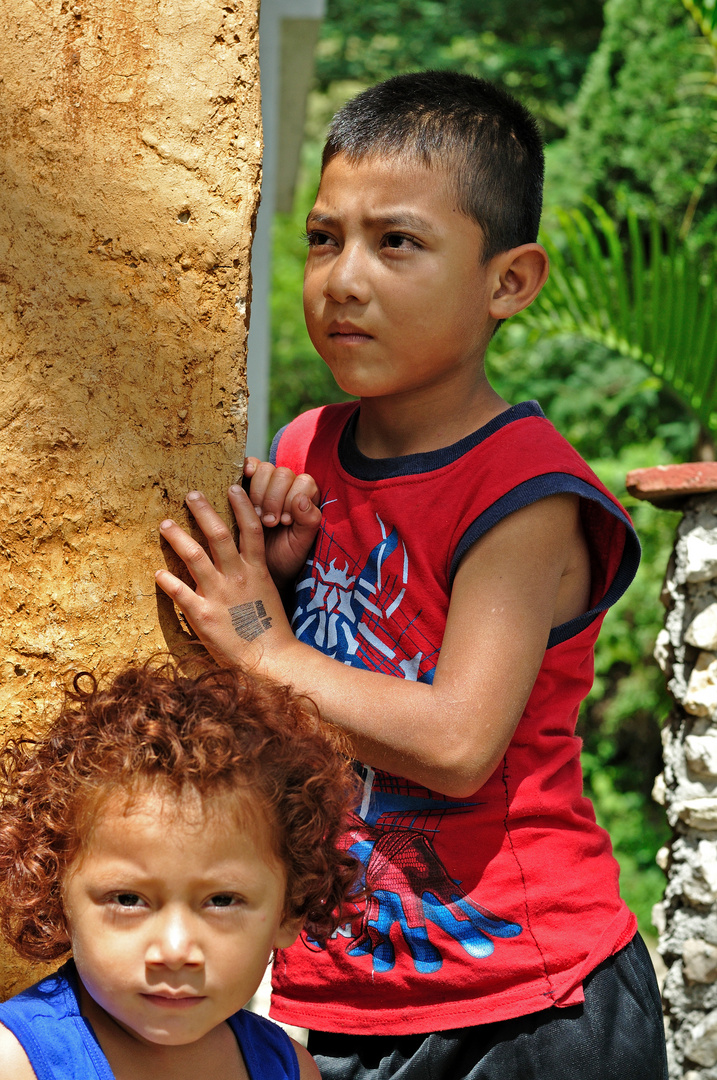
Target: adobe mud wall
column 130, row 150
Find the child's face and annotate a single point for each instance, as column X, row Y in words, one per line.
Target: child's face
column 174, row 910
column 396, row 296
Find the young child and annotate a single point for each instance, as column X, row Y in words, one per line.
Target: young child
column 170, row 830
column 451, row 559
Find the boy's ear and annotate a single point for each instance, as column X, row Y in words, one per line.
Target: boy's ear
column 518, row 275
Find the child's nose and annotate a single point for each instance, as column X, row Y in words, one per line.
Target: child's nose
column 173, row 943
column 348, row 277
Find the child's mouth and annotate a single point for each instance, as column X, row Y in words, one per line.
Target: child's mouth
column 167, row 1001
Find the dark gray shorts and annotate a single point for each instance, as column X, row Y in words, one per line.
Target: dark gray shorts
column 616, row 1034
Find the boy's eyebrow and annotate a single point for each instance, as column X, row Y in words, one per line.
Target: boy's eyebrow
column 401, row 219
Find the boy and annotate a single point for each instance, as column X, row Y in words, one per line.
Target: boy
column 444, row 617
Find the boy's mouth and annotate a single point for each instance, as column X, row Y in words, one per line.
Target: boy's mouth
column 348, row 333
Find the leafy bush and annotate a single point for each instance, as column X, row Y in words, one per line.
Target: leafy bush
column 641, row 127
column 537, row 51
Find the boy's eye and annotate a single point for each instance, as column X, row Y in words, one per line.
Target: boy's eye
column 316, row 238
column 398, row 241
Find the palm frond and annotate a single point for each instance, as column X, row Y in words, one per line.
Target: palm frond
column 704, row 12
column 644, row 295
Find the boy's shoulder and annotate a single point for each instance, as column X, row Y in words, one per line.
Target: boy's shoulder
column 520, row 442
column 516, row 460
column 322, row 422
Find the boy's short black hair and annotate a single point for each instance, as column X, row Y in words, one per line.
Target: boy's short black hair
column 489, row 143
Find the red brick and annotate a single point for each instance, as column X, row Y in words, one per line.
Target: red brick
column 669, row 485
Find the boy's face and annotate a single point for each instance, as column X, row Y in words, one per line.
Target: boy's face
column 396, row 295
column 174, row 911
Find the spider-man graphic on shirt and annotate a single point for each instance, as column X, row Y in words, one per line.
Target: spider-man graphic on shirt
column 353, row 613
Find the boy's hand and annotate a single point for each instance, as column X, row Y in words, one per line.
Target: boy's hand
column 235, row 610
column 288, row 507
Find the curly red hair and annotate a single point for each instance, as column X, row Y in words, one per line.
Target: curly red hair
column 212, row 730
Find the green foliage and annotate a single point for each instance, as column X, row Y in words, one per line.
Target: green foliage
column 600, row 400
column 538, row 52
column 620, row 720
column 639, row 128
column 637, row 831
column 704, row 12
column 635, row 290
column 653, row 300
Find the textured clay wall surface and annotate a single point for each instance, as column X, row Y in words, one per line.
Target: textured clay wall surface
column 130, row 150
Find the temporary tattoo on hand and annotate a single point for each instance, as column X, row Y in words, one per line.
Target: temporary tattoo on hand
column 250, row 620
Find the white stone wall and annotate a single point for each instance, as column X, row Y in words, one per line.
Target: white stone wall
column 686, row 650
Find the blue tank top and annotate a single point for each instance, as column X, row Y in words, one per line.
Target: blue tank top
column 61, row 1045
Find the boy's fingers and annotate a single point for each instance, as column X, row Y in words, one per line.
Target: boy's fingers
column 303, row 485
column 217, row 532
column 190, row 552
column 176, row 590
column 273, row 489
column 305, row 513
column 251, row 532
column 275, row 495
column 261, row 476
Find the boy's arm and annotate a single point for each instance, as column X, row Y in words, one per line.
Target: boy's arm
column 526, row 574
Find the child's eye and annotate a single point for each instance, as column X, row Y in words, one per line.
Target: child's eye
column 128, row 900
column 222, row 900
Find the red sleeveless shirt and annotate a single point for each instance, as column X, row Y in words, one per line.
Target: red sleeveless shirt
column 497, row 905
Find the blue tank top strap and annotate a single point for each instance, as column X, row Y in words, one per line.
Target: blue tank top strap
column 58, row 1041
column 266, row 1048
column 61, row 1045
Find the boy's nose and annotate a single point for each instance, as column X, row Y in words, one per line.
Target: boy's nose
column 347, row 278
column 173, row 943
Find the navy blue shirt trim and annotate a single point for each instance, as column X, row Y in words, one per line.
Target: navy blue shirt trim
column 541, row 487
column 274, row 450
column 361, row 467
column 365, row 468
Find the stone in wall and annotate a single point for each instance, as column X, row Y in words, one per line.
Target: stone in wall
column 686, row 651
